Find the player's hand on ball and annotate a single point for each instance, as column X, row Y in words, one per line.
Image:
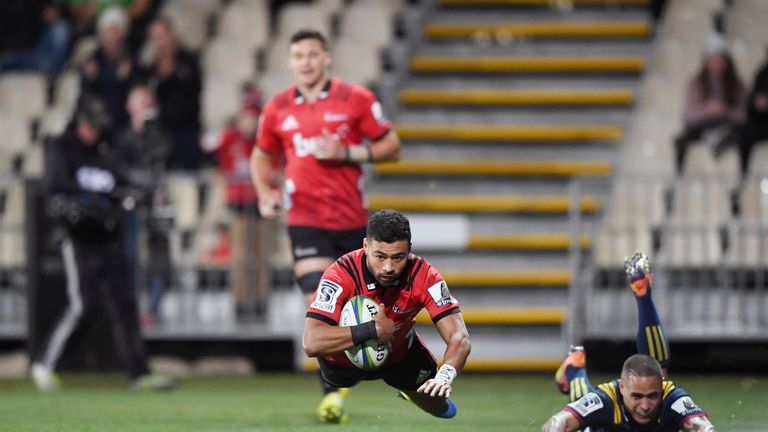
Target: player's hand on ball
column 330, row 148
column 385, row 327
column 269, row 204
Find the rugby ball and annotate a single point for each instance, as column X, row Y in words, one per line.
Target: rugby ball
column 371, row 354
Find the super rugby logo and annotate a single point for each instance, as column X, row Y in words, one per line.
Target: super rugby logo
column 440, row 294
column 327, row 293
column 588, row 404
column 685, row 406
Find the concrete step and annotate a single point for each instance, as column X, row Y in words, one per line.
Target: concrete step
column 480, row 204
column 535, row 48
column 499, row 268
column 613, row 82
column 487, row 224
column 505, row 316
column 482, row 15
column 467, row 234
column 507, row 278
column 546, row 150
column 514, row 117
column 553, row 29
column 494, row 167
column 502, row 97
column 510, row 133
column 511, row 296
column 556, row 5
column 529, row 242
column 505, row 349
column 527, row 64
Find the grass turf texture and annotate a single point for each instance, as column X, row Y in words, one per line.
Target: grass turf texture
column 288, row 402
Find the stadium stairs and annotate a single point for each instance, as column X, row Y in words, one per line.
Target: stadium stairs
column 499, row 104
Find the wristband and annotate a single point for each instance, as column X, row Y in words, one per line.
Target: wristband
column 359, row 154
column 363, row 332
column 446, row 374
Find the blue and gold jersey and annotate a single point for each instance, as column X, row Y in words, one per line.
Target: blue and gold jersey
column 603, row 410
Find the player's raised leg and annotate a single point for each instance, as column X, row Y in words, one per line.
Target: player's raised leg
column 571, row 377
column 651, row 339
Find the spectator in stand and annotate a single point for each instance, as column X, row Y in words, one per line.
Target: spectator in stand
column 715, row 103
column 140, row 13
column 111, row 70
column 144, row 148
column 251, row 235
column 174, row 74
column 756, row 128
column 52, row 49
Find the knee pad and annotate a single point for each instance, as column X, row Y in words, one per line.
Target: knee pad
column 309, row 282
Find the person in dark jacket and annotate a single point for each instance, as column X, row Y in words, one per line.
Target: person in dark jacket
column 756, row 127
column 174, row 75
column 111, row 70
column 144, row 147
column 86, row 183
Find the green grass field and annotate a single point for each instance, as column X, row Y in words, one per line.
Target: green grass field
column 287, row 403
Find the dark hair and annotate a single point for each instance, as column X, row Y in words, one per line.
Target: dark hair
column 641, row 365
column 90, row 108
column 310, row 34
column 388, row 226
column 731, row 83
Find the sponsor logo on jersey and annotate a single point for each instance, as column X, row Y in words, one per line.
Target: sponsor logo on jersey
column 289, row 123
column 325, row 298
column 378, row 113
column 334, row 117
column 440, row 294
column 685, row 406
column 300, row 252
column 423, row 376
column 588, row 404
column 371, row 287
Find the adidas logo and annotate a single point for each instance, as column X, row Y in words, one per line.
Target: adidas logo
column 289, row 123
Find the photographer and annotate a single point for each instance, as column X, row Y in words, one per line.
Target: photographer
column 87, row 194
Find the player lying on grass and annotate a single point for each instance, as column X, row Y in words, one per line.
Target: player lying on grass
column 642, row 399
column 402, row 284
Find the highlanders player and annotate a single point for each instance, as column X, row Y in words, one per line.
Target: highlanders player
column 402, row 284
column 642, row 399
column 318, row 126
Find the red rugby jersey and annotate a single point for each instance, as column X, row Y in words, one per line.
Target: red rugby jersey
column 234, row 152
column 420, row 286
column 322, row 194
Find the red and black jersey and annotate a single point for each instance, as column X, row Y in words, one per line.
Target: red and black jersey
column 420, row 286
column 322, row 194
column 234, row 151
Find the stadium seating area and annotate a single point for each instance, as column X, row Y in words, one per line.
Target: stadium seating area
column 538, row 152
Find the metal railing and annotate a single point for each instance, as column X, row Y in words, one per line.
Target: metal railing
column 197, row 268
column 707, row 237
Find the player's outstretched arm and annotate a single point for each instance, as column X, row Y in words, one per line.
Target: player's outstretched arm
column 698, row 424
column 454, row 333
column 561, row 422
